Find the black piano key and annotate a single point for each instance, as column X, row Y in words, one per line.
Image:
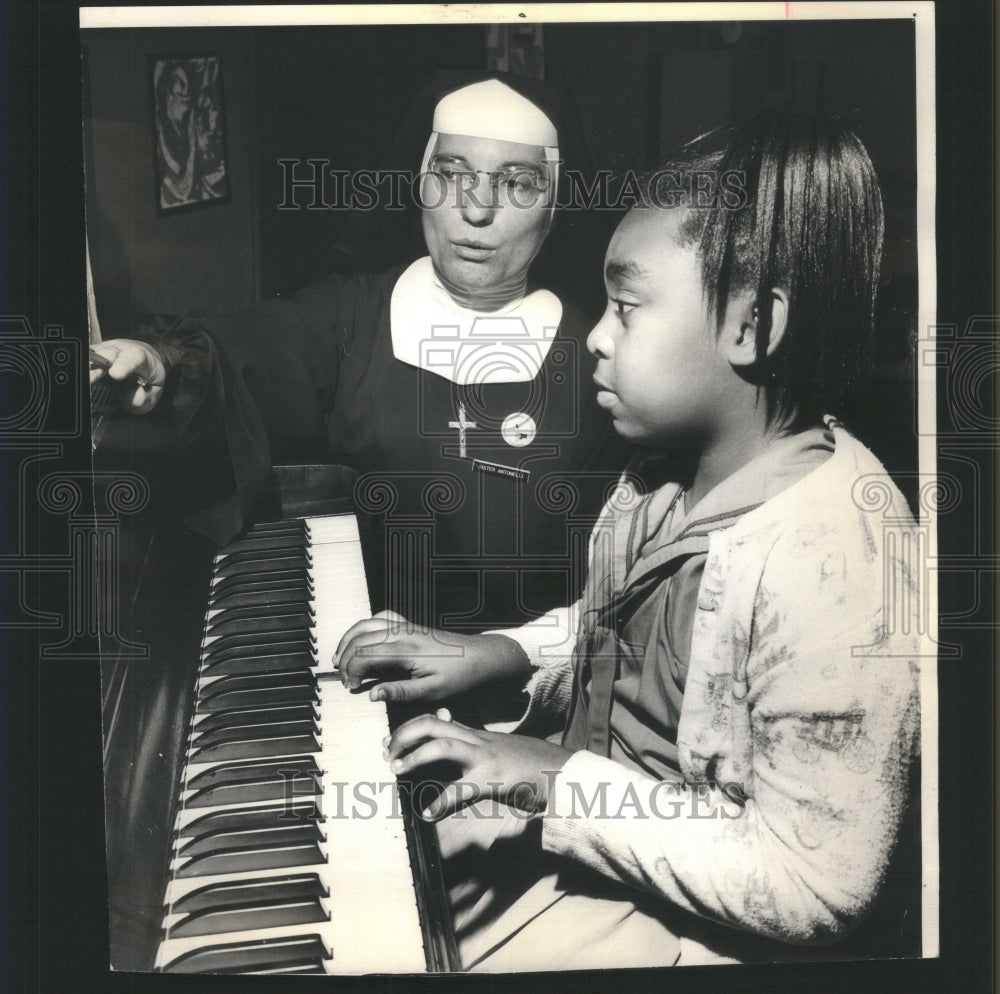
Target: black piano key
column 265, row 547
column 217, row 683
column 283, row 619
column 256, row 690
column 304, row 766
column 281, row 727
column 246, row 839
column 291, row 813
column 262, row 747
column 253, row 716
column 248, row 791
column 245, row 783
column 246, row 917
column 271, row 579
column 290, row 540
column 255, row 891
column 265, row 662
column 247, row 640
column 303, row 951
column 303, row 970
column 284, row 526
column 249, row 564
column 243, row 612
column 248, row 681
column 284, row 599
column 243, row 860
column 260, row 581
column 254, row 644
column 275, row 644
column 289, row 592
column 268, row 609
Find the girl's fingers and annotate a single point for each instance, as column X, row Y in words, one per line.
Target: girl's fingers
column 363, row 627
column 435, row 750
column 451, row 799
column 411, row 691
column 356, row 664
column 427, row 728
column 390, row 616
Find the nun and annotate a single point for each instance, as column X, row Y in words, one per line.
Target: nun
column 456, row 385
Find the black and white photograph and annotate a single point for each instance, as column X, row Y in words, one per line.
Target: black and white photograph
column 523, row 450
column 532, row 571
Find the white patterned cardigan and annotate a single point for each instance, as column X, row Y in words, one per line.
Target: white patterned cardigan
column 801, row 697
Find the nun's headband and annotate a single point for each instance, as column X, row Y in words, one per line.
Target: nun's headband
column 491, row 109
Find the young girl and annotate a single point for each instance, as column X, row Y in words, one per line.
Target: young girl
column 740, row 705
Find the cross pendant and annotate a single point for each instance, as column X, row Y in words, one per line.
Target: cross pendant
column 461, row 424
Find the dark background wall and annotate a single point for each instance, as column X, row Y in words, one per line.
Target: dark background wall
column 143, row 262
column 340, row 93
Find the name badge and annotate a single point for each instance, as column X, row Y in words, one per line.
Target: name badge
column 498, row 469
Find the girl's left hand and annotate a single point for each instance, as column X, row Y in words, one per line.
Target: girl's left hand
column 514, row 769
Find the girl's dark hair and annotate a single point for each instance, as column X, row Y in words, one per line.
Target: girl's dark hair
column 797, row 206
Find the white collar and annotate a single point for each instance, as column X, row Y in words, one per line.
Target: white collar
column 433, row 333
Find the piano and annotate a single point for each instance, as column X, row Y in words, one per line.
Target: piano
column 290, row 849
column 252, row 917
column 253, row 824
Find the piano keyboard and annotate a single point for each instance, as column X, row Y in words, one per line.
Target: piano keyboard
column 291, row 852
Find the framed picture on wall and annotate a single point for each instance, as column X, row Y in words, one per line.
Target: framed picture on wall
column 189, row 128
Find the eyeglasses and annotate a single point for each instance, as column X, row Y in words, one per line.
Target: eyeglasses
column 520, row 185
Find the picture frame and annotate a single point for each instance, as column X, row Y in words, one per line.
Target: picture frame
column 191, row 165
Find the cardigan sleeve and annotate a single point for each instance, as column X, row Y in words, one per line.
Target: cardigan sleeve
column 548, row 643
column 800, row 733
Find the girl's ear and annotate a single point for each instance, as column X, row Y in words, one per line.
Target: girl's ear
column 779, row 319
column 739, row 330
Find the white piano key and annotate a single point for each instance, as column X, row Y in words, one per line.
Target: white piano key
column 340, row 591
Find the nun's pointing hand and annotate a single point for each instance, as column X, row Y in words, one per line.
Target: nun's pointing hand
column 424, row 665
column 135, row 368
column 514, row 769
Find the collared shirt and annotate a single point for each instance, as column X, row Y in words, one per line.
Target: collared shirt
column 638, row 608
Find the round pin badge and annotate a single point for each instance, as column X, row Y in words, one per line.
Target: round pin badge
column 518, row 429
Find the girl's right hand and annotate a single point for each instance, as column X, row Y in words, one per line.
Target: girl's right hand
column 424, row 665
column 137, row 370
